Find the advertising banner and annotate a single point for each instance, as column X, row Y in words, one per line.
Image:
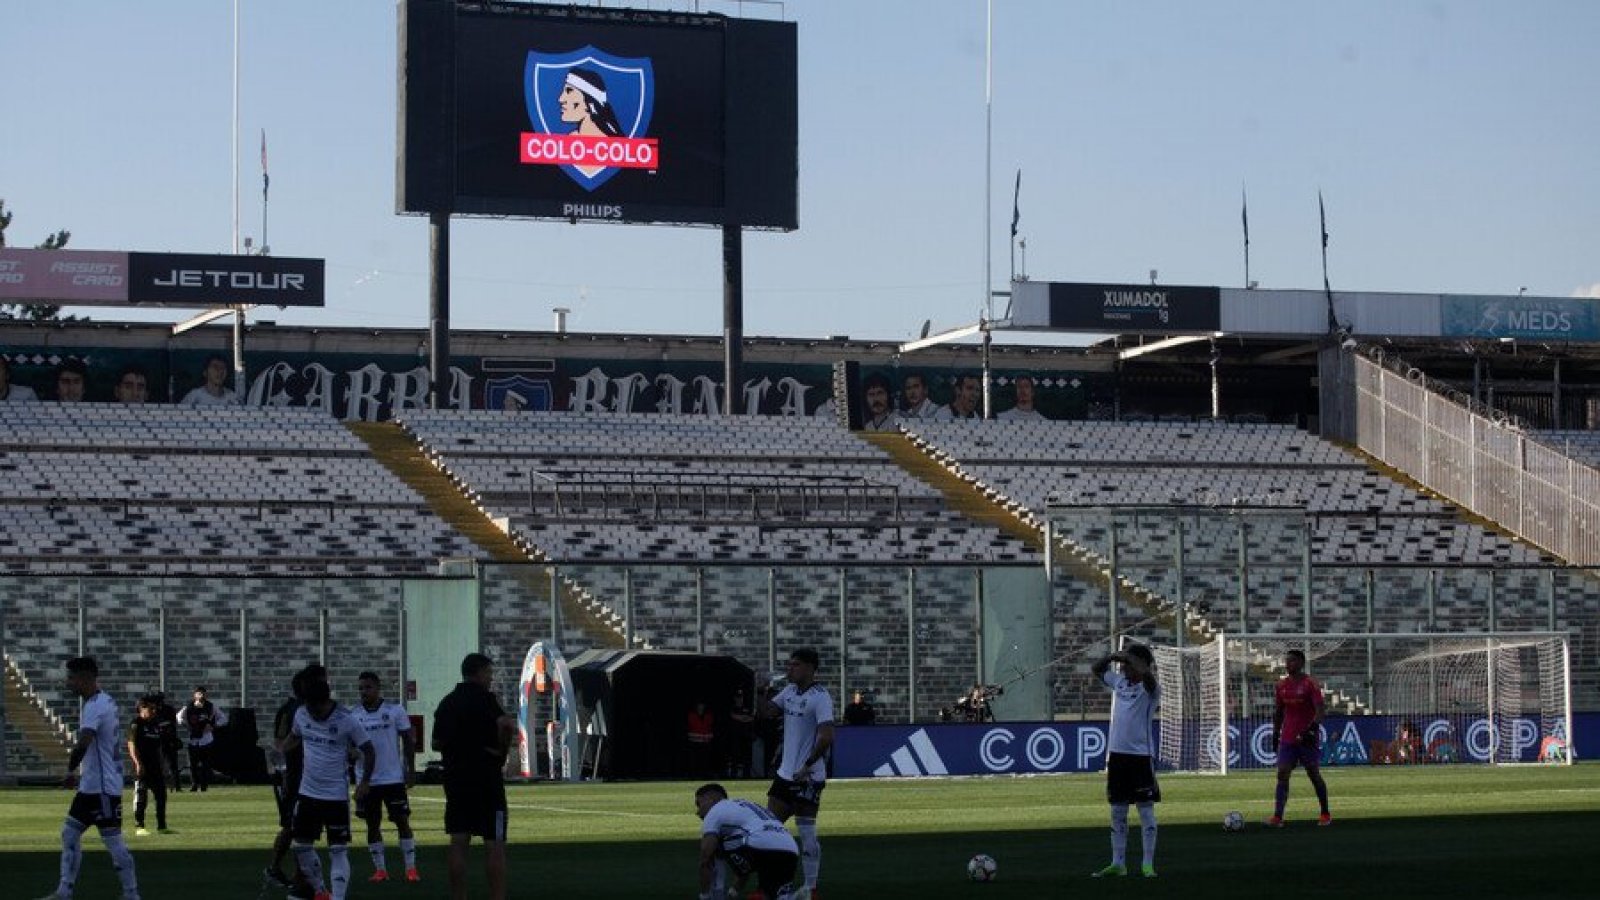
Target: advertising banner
column 63, row 277
column 1124, row 308
column 994, row 748
column 373, row 387
column 1534, row 318
column 206, row 280
column 193, row 280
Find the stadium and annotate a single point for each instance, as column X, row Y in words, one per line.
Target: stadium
column 1404, row 488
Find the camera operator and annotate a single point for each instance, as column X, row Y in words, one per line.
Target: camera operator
column 974, row 706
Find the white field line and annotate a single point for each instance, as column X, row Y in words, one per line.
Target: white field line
column 570, row 809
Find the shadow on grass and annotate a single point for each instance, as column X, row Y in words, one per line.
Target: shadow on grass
column 1534, row 855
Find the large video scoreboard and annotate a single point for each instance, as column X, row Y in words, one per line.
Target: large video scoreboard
column 560, row 112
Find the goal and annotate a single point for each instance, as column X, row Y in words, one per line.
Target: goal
column 1392, row 698
column 1191, row 719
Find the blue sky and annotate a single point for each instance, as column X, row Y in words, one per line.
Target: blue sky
column 1457, row 144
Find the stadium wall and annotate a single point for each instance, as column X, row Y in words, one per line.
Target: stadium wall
column 178, row 632
column 856, row 617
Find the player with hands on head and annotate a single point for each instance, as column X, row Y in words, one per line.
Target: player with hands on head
column 1130, row 762
column 1296, row 728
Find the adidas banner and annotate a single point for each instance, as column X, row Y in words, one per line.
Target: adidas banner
column 910, row 751
column 978, row 749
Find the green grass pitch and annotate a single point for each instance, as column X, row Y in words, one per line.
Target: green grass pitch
column 1398, row 833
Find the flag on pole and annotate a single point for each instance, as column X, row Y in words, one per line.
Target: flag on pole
column 1016, row 210
column 265, row 181
column 1244, row 217
column 1244, row 214
column 1327, row 289
column 1323, row 212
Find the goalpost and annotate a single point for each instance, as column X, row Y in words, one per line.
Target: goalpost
column 1392, row 698
column 1191, row 719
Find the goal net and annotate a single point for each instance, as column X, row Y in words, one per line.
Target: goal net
column 1191, row 723
column 1489, row 699
column 1391, row 699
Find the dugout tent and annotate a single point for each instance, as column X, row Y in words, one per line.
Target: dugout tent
column 644, row 697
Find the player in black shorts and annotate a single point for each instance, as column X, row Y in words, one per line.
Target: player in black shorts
column 328, row 732
column 807, row 712
column 286, row 785
column 95, row 769
column 145, row 737
column 1130, row 763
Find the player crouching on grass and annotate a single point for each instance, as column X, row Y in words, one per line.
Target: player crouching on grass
column 1296, row 720
column 749, row 838
column 1130, row 766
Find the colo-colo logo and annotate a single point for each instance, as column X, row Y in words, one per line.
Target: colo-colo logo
column 590, row 112
column 1144, row 299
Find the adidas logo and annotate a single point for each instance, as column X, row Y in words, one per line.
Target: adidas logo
column 904, row 760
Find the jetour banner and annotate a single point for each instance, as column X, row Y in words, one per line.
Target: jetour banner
column 184, row 280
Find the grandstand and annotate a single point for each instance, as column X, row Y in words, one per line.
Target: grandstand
column 1360, row 516
column 609, row 488
column 1583, row 446
column 683, row 527
column 156, row 489
column 742, row 535
column 1433, row 568
column 120, row 526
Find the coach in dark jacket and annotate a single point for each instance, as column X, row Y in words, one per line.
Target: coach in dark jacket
column 472, row 732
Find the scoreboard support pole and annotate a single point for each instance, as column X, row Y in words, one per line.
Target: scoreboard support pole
column 732, row 315
column 438, row 308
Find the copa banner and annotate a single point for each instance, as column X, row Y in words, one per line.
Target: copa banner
column 995, row 748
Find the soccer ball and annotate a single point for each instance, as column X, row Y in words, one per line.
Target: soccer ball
column 982, row 868
column 1233, row 821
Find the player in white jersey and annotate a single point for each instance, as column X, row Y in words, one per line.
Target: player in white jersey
column 98, row 803
column 749, row 838
column 807, row 712
column 389, row 728
column 1130, row 764
column 327, row 732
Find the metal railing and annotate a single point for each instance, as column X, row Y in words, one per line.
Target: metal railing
column 1478, row 458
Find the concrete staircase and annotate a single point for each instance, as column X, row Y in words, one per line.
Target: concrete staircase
column 969, row 495
column 36, row 740
column 401, row 453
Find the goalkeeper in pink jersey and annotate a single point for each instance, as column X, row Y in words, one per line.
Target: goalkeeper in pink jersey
column 1296, row 721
